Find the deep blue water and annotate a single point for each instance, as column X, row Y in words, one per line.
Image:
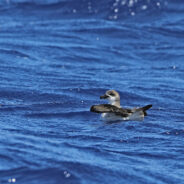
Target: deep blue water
column 57, row 57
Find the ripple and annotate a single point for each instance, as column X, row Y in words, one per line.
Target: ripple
column 39, row 174
column 57, row 60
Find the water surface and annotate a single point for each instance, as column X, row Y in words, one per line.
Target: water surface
column 57, row 58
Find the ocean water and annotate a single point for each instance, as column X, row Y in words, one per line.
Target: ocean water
column 57, row 57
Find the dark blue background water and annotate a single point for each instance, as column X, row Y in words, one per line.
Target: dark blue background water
column 57, row 58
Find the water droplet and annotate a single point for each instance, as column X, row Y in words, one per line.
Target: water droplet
column 67, row 174
column 115, row 4
column 123, row 2
column 11, row 180
column 158, row 3
column 116, row 10
column 144, row 7
column 115, row 17
column 133, row 13
column 74, row 10
column 131, row 3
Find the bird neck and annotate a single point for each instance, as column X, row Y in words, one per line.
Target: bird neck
column 115, row 103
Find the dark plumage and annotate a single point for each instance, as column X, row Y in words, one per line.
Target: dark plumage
column 108, row 108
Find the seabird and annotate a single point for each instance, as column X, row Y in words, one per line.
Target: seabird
column 114, row 112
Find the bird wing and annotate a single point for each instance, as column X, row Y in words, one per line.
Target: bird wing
column 107, row 108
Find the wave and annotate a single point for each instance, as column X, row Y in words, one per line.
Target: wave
column 108, row 9
column 25, row 175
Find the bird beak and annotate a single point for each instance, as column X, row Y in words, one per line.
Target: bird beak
column 104, row 97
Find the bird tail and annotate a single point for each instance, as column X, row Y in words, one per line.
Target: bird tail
column 145, row 108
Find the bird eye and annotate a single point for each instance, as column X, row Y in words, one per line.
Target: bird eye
column 112, row 94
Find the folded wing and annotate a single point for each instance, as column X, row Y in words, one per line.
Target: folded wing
column 107, row 108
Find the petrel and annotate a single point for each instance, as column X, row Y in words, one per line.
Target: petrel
column 114, row 112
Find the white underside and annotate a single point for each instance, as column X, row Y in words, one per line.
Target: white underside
column 136, row 116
